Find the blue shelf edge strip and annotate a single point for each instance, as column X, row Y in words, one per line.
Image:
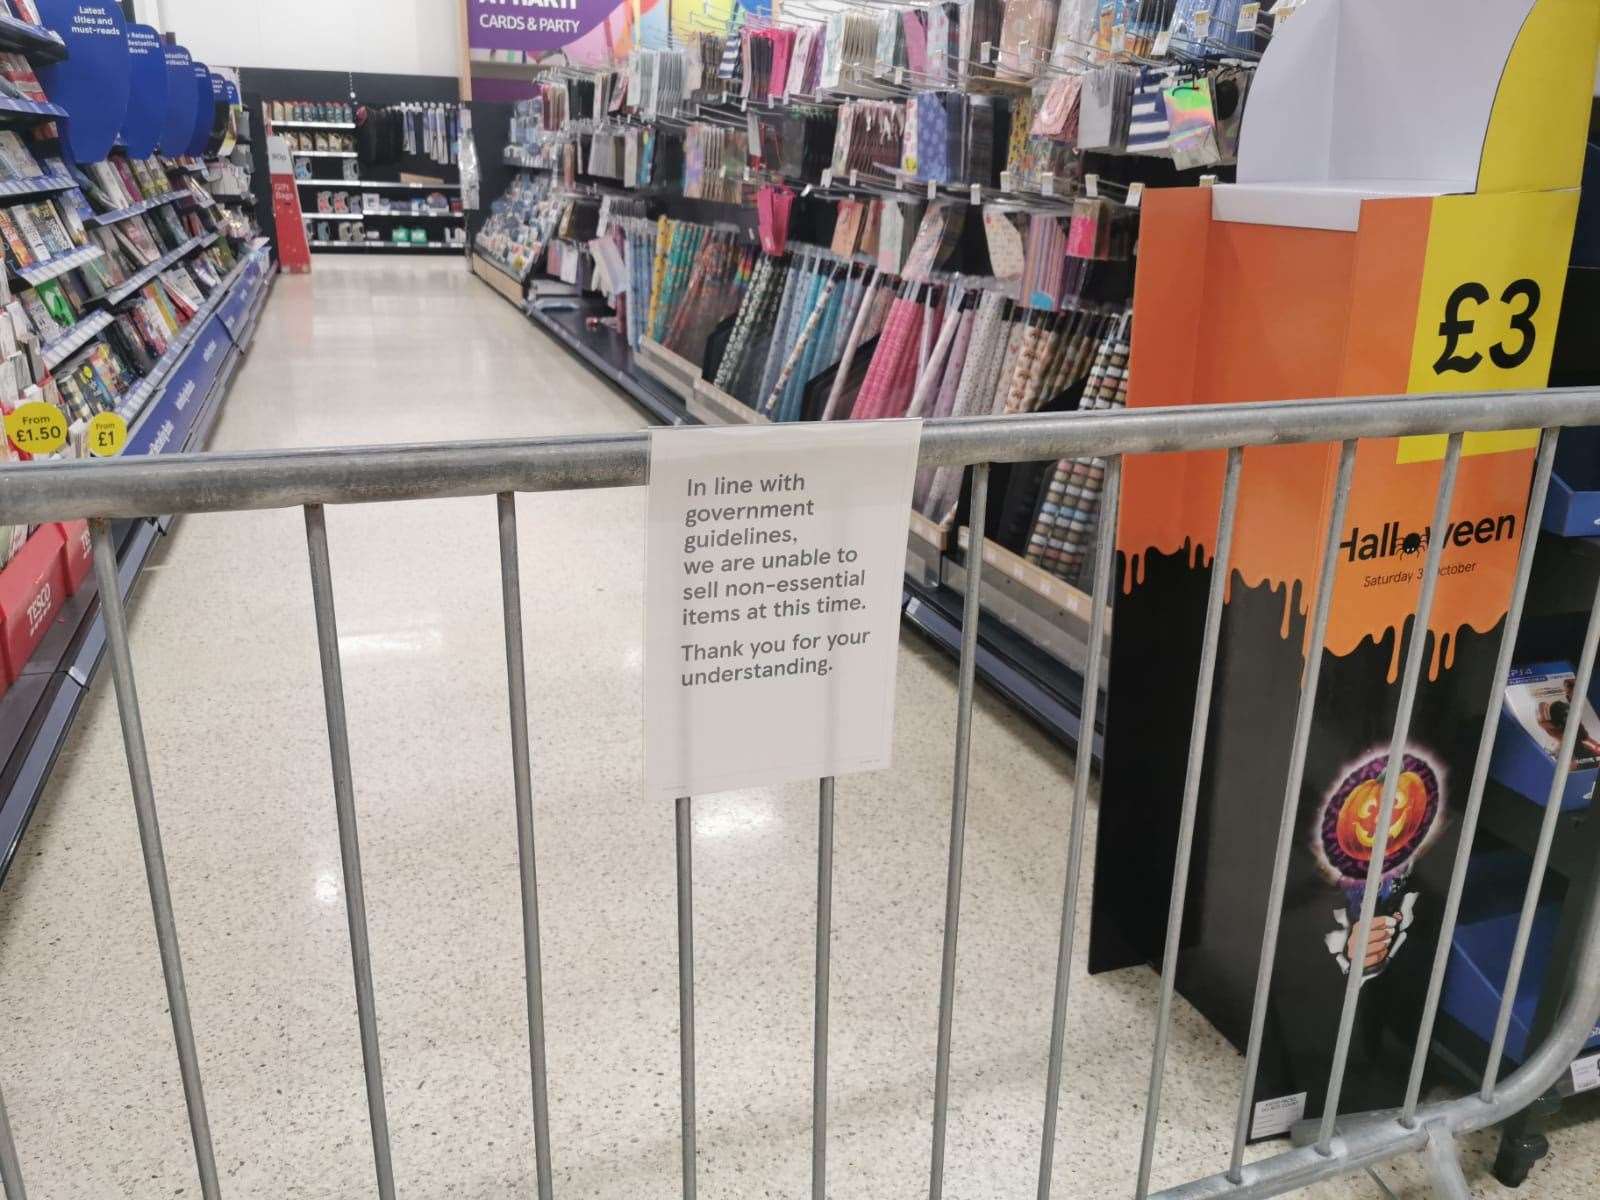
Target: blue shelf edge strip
column 29, row 38
column 36, row 184
column 39, row 111
column 55, row 353
column 133, row 210
column 77, row 638
column 59, row 265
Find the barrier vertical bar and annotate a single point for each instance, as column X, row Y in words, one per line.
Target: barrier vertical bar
column 527, row 860
column 1102, row 587
column 10, row 1165
column 1444, row 1166
column 1480, row 770
column 1291, row 803
column 1541, row 854
column 155, row 862
column 355, row 899
column 1191, row 799
column 686, row 990
column 966, row 676
column 819, row 1050
column 1391, row 782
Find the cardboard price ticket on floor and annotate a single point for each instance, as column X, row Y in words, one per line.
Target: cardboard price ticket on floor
column 1407, row 193
column 772, row 602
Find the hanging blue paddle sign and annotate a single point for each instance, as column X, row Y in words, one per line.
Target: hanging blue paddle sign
column 204, row 110
column 178, row 127
column 219, row 113
column 147, row 92
column 91, row 83
column 232, row 90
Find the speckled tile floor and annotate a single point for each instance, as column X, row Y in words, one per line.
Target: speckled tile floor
column 382, row 350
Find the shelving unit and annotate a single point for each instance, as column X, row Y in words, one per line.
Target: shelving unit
column 1033, row 628
column 171, row 409
column 387, row 246
column 386, row 216
column 377, row 184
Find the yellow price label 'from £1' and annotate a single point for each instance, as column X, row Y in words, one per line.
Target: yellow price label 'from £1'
column 107, row 435
column 37, row 428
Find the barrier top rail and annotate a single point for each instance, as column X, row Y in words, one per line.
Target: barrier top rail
column 180, row 483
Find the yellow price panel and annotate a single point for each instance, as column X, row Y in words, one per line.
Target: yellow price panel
column 106, row 436
column 37, row 428
column 1491, row 294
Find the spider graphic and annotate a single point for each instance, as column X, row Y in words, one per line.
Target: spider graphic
column 1411, row 545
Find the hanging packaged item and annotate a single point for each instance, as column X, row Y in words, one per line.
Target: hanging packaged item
column 1003, row 235
column 1026, row 32
column 944, row 42
column 1104, row 108
column 1148, row 128
column 1192, row 140
column 772, row 210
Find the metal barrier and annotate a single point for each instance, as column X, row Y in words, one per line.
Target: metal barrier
column 223, row 482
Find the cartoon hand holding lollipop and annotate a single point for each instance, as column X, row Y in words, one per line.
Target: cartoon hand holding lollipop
column 1343, row 842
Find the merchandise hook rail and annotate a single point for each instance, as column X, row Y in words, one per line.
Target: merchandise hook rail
column 64, row 490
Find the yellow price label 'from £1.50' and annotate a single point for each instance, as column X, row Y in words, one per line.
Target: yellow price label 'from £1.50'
column 37, row 428
column 107, row 435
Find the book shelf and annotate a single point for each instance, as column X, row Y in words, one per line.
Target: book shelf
column 128, row 289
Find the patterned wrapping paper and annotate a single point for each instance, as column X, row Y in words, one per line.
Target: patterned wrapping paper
column 743, row 363
column 933, row 137
column 1063, row 535
column 800, row 317
column 659, row 270
column 786, row 306
column 791, row 381
column 1022, row 113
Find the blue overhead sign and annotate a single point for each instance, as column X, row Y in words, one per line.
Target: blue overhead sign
column 147, row 92
column 205, row 109
column 91, row 83
column 178, row 129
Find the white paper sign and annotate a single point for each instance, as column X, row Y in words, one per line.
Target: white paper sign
column 1276, row 1116
column 1586, row 1073
column 772, row 602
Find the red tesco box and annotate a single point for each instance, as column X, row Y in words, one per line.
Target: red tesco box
column 33, row 587
column 77, row 553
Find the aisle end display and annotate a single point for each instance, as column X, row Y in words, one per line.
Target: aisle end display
column 1416, row 248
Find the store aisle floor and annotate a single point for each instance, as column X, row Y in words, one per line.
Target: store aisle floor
column 399, row 350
